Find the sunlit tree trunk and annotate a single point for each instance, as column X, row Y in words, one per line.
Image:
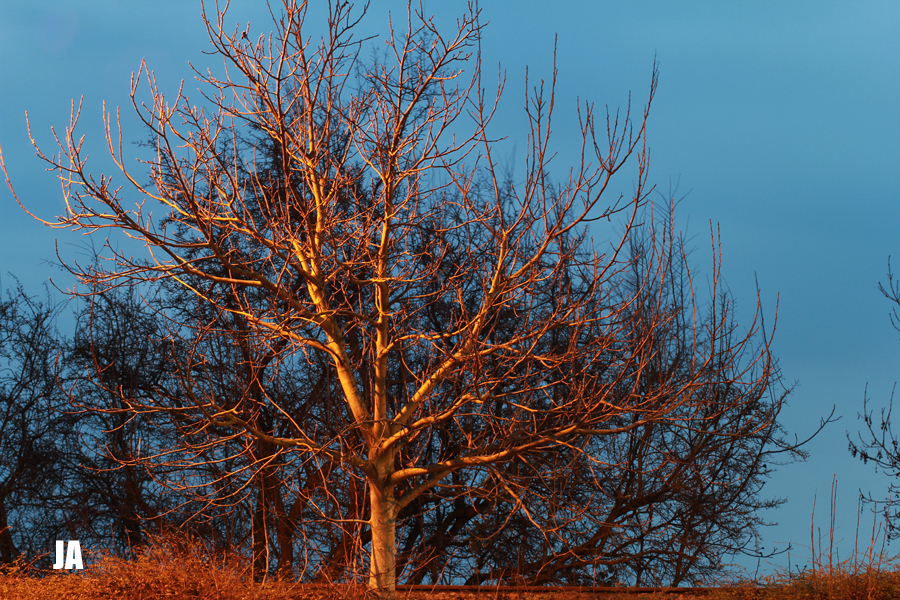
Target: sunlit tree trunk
column 382, row 572
column 383, row 526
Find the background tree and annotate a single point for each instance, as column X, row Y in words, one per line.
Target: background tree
column 878, row 443
column 477, row 336
column 35, row 433
column 115, row 353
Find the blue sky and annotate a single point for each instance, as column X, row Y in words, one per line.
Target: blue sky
column 780, row 121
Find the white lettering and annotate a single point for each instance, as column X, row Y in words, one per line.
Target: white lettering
column 59, row 555
column 73, row 555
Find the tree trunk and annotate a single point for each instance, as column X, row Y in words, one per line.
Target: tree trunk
column 260, row 545
column 383, row 525
column 8, row 550
column 131, row 520
column 284, row 529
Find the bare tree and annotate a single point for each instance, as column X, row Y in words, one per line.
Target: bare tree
column 878, row 444
column 115, row 353
column 472, row 327
column 34, row 430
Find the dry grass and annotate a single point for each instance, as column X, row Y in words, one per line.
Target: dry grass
column 178, row 580
column 179, row 571
column 173, row 567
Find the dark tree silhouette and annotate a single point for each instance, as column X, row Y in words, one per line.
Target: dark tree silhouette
column 115, row 352
column 35, row 433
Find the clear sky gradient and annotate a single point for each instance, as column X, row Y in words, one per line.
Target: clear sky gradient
column 780, row 120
